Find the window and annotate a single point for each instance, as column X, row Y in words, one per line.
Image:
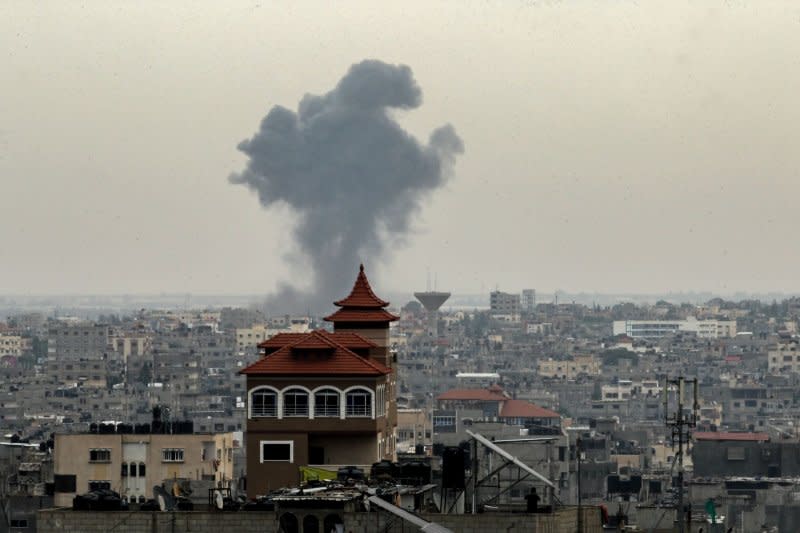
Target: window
column 133, row 470
column 141, row 469
column 263, row 403
column 172, row 455
column 124, row 471
column 359, row 403
column 736, row 454
column 326, row 403
column 100, row 455
column 295, row 403
column 277, row 450
column 310, row 524
column 444, row 421
column 19, row 523
column 99, row 485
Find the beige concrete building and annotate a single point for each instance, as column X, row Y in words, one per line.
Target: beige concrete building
column 252, row 336
column 570, row 368
column 784, row 357
column 413, row 428
column 10, row 345
column 132, row 464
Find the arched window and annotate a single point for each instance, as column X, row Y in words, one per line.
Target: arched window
column 288, row 523
column 124, row 470
column 141, row 469
column 295, row 402
column 263, row 403
column 326, row 403
column 359, row 402
column 329, row 524
column 310, row 524
column 133, row 469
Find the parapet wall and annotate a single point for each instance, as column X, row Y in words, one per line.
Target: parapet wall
column 61, row 520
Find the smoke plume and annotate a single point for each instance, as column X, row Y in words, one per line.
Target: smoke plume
column 353, row 175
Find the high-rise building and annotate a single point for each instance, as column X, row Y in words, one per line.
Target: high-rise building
column 528, row 300
column 503, row 303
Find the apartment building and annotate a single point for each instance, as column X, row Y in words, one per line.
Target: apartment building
column 504, row 303
column 655, row 329
column 784, row 356
column 586, row 365
column 131, row 464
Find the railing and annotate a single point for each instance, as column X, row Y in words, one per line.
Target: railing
column 299, row 410
column 359, row 410
column 326, row 411
column 264, row 411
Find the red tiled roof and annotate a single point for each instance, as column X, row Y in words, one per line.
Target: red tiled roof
column 482, row 395
column 726, row 435
column 348, row 339
column 361, row 315
column 523, row 409
column 315, row 353
column 362, row 295
column 280, row 340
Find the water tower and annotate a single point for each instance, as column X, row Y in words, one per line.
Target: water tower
column 432, row 301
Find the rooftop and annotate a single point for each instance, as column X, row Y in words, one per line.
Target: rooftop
column 317, row 353
column 523, row 409
column 726, row 435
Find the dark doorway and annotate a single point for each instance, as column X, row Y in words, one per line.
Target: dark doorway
column 316, row 455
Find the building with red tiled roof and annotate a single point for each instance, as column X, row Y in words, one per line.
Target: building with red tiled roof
column 323, row 399
column 493, row 402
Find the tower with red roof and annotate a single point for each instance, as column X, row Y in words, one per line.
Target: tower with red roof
column 323, row 399
column 362, row 312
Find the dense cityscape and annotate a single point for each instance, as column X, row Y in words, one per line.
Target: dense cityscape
column 575, row 392
column 255, row 279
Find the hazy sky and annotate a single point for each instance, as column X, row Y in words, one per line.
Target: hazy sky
column 634, row 146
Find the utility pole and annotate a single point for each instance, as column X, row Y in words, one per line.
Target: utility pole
column 680, row 424
column 579, row 453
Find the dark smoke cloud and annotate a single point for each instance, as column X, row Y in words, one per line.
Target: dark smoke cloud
column 353, row 175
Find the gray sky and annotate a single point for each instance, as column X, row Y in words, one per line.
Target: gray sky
column 610, row 146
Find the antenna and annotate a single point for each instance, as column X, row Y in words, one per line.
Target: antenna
column 681, row 424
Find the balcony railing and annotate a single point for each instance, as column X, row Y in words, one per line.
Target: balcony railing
column 326, row 411
column 301, row 410
column 264, row 411
column 359, row 410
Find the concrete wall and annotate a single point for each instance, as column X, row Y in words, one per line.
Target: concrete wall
column 58, row 520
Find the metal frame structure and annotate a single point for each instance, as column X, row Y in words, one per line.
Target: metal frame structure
column 508, row 460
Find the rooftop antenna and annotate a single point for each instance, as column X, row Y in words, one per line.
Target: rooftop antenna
column 680, row 423
column 435, row 280
column 428, row 283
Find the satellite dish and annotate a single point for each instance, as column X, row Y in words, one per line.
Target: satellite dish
column 162, row 504
column 218, row 500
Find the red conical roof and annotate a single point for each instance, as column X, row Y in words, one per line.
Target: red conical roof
column 362, row 305
column 362, row 295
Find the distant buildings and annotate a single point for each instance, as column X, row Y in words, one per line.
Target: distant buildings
column 504, row 304
column 528, row 300
column 784, row 356
column 11, row 345
column 656, row 329
column 586, row 365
